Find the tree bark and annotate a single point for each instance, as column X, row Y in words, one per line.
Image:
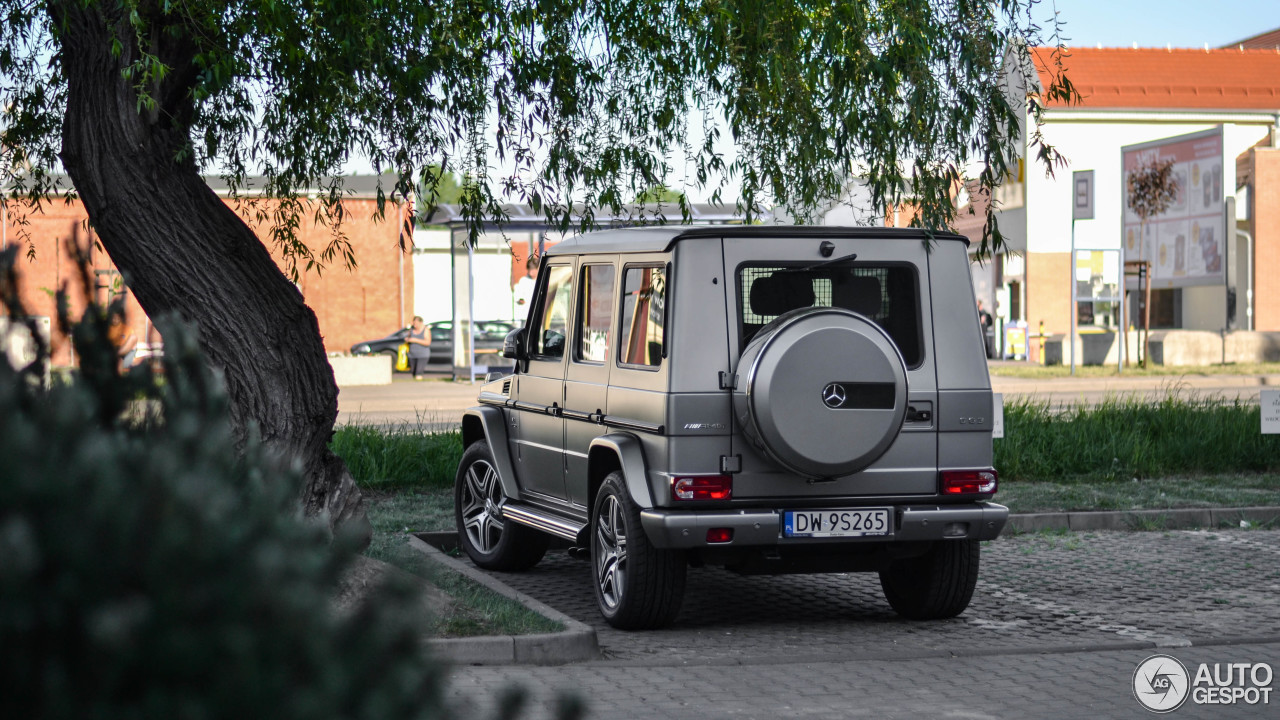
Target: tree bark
column 183, row 250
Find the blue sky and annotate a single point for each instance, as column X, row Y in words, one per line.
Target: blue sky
column 1152, row 23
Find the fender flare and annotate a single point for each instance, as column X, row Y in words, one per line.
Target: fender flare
column 630, row 454
column 489, row 424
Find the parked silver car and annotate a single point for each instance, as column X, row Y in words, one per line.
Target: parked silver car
column 767, row 399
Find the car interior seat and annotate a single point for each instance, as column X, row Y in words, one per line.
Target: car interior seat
column 859, row 293
column 776, row 294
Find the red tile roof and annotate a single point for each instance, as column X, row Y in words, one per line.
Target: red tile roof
column 1218, row 79
column 1269, row 40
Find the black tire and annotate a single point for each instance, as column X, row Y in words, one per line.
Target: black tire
column 491, row 541
column 936, row 585
column 637, row 586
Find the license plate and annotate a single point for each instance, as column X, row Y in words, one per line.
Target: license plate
column 864, row 522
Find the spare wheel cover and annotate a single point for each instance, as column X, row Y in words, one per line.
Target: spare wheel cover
column 824, row 392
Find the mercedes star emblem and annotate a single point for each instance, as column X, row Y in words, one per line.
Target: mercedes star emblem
column 833, row 395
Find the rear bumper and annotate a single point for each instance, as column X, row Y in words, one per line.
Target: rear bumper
column 674, row 529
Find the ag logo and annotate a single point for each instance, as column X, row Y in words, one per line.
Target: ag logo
column 834, row 395
column 1161, row 683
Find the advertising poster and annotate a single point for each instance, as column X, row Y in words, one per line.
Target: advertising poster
column 1185, row 244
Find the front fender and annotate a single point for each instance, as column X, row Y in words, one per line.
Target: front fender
column 630, row 456
column 489, row 424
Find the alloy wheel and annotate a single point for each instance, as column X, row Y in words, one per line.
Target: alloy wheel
column 611, row 555
column 482, row 507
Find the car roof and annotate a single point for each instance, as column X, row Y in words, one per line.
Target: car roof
column 659, row 238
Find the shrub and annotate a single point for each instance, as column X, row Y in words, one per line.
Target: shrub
column 151, row 569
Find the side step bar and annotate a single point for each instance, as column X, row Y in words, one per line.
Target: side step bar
column 543, row 521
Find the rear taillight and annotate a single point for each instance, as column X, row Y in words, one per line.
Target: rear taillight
column 968, row 482
column 702, row 487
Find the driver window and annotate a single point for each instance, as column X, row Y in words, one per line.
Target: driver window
column 553, row 321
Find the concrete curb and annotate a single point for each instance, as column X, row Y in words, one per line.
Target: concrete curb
column 576, row 643
column 1172, row 519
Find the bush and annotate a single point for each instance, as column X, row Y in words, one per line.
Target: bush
column 151, row 569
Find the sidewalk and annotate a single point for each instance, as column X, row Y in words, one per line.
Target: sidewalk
column 1132, row 383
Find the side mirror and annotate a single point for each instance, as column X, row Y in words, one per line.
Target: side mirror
column 512, row 344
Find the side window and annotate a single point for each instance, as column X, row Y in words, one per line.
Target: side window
column 552, row 324
column 595, row 313
column 644, row 294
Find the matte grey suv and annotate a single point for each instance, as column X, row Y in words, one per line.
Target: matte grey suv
column 767, row 399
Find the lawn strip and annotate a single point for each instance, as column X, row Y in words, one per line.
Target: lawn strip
column 477, row 610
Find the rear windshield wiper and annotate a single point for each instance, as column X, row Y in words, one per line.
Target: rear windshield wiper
column 815, row 266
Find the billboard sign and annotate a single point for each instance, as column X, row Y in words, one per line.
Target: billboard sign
column 1185, row 244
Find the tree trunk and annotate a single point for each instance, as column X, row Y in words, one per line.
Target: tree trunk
column 182, row 249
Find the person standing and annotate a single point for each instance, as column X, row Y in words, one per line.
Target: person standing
column 988, row 330
column 419, row 340
column 122, row 337
column 523, row 288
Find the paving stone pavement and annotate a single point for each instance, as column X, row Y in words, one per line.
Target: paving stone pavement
column 1083, row 685
column 1038, row 590
column 1056, row 628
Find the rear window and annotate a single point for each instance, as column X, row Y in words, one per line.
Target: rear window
column 886, row 294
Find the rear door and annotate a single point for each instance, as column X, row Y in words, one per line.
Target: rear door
column 894, row 293
column 537, row 432
column 586, row 386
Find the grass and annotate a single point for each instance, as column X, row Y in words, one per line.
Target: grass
column 406, row 474
column 407, row 456
column 1037, row 372
column 476, row 610
column 1122, row 439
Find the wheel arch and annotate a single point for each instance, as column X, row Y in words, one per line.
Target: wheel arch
column 617, row 452
column 488, row 424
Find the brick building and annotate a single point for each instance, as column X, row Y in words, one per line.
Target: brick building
column 351, row 304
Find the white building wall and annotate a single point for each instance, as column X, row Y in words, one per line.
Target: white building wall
column 1094, row 144
column 852, row 209
column 1093, row 141
column 432, row 281
column 433, row 275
